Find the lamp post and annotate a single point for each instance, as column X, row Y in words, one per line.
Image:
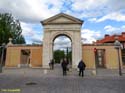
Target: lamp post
column 2, row 57
column 117, row 45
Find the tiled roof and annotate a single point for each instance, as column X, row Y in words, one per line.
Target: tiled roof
column 111, row 39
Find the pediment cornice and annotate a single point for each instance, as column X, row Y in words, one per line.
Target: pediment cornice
column 62, row 19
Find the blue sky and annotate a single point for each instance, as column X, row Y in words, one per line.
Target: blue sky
column 100, row 16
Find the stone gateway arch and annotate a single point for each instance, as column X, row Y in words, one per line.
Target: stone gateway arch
column 106, row 56
column 62, row 24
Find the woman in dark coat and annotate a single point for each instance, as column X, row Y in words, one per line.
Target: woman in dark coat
column 81, row 67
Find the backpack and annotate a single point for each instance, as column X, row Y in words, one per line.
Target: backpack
column 80, row 65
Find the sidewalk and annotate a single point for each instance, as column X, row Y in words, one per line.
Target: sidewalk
column 38, row 80
column 88, row 72
column 58, row 72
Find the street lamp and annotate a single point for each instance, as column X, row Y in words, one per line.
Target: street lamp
column 117, row 45
column 2, row 57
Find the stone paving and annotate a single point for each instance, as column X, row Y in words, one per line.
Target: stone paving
column 52, row 81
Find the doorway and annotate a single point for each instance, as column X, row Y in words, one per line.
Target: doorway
column 123, row 57
column 25, row 58
column 100, row 58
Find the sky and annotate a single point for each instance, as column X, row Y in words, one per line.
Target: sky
column 100, row 16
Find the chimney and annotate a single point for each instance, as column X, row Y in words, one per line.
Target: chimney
column 106, row 35
column 123, row 34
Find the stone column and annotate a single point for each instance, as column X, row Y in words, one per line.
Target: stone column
column 77, row 49
column 46, row 49
column 51, row 51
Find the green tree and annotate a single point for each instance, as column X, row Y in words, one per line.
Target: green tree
column 9, row 27
column 58, row 55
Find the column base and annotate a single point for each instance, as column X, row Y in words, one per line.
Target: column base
column 74, row 66
column 94, row 73
column 45, row 66
column 18, row 65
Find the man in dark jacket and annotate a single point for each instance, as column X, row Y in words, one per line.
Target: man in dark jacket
column 64, row 67
column 81, row 67
column 52, row 63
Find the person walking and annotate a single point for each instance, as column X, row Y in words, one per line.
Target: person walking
column 81, row 67
column 51, row 64
column 64, row 67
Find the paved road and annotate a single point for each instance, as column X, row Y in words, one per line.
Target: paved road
column 52, row 81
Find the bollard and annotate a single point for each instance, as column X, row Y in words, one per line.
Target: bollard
column 94, row 72
column 45, row 71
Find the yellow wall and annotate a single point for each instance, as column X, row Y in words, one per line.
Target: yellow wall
column 12, row 58
column 36, row 57
column 88, row 58
column 111, row 56
column 13, row 55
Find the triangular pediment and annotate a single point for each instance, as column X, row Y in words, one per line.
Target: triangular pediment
column 62, row 18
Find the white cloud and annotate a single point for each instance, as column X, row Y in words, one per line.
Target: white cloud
column 89, row 35
column 113, row 16
column 31, row 10
column 27, row 29
column 62, row 42
column 37, row 10
column 114, row 30
column 30, row 34
column 81, row 5
column 116, row 16
column 36, row 39
column 34, row 11
column 92, row 19
column 123, row 27
column 110, row 28
column 97, row 8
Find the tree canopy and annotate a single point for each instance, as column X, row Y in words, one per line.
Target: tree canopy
column 10, row 28
column 60, row 54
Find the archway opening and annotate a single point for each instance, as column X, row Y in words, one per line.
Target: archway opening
column 62, row 49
